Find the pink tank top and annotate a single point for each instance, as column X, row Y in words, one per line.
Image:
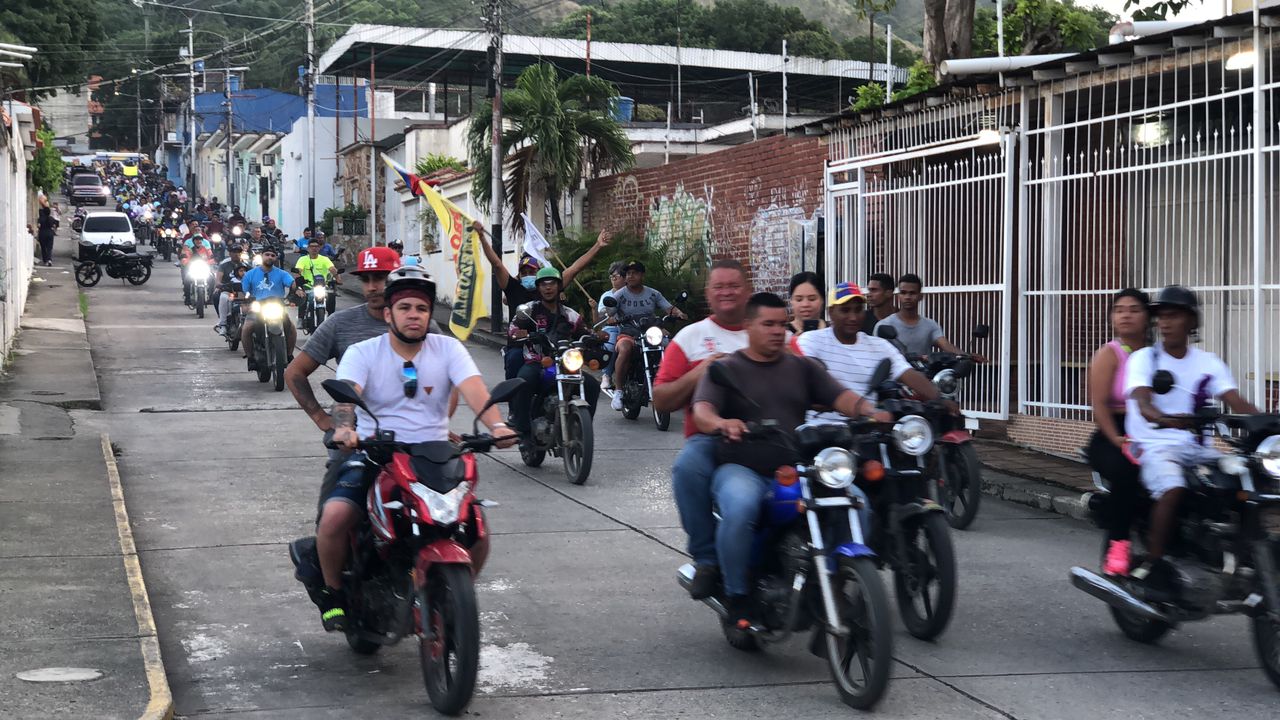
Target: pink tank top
column 1117, row 383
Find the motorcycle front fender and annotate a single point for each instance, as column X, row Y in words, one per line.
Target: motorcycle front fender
column 852, row 549
column 441, row 552
column 956, row 437
column 910, row 510
column 275, row 329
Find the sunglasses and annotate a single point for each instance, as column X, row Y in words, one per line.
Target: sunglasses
column 410, row 376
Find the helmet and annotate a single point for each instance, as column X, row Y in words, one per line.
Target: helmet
column 548, row 273
column 1176, row 296
column 266, row 219
column 409, row 279
column 376, row 259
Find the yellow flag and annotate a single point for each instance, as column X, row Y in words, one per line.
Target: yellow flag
column 468, row 298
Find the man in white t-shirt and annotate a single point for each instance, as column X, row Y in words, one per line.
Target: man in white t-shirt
column 684, row 363
column 851, row 356
column 1158, row 423
column 405, row 377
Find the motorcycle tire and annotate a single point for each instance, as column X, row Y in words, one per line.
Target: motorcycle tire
column 1266, row 640
column 630, row 405
column 140, row 275
column 930, row 565
column 960, row 492
column 166, row 251
column 233, row 343
column 262, row 364
column 320, row 313
column 278, row 360
column 198, row 298
column 577, row 454
column 661, row 420
column 77, row 225
column 531, row 454
column 739, row 639
column 451, row 632
column 361, row 646
column 867, row 651
column 88, row 275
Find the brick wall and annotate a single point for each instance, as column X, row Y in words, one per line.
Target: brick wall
column 1056, row 436
column 757, row 202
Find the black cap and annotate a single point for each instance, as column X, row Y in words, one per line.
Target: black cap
column 634, row 265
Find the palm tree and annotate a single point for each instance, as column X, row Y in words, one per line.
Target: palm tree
column 548, row 122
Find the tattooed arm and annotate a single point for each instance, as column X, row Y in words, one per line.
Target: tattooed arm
column 344, row 426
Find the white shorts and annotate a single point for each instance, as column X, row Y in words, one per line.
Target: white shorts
column 1162, row 464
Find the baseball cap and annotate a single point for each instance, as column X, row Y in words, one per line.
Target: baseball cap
column 376, row 259
column 527, row 261
column 843, row 293
column 634, row 265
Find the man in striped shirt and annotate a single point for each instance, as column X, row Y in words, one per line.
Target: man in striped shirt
column 851, row 356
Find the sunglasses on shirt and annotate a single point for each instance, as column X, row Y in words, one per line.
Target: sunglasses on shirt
column 410, row 376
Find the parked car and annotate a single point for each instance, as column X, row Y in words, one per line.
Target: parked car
column 107, row 228
column 88, row 188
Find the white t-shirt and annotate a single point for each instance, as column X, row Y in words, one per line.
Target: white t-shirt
column 690, row 347
column 853, row 364
column 1198, row 378
column 441, row 363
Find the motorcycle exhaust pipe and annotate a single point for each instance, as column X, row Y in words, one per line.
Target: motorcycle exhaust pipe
column 1114, row 595
column 685, row 576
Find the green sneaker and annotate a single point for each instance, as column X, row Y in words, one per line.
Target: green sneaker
column 332, row 613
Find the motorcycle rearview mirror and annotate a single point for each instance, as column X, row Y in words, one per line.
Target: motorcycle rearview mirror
column 683, row 296
column 343, row 392
column 887, row 332
column 1162, row 382
column 610, row 302
column 881, row 374
column 981, row 332
column 964, row 368
column 502, row 392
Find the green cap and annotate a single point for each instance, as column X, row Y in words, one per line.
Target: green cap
column 547, row 272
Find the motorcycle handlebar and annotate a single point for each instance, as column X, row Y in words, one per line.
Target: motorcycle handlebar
column 481, row 442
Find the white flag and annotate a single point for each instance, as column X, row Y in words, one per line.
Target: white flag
column 534, row 243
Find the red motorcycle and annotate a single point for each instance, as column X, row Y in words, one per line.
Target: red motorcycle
column 412, row 564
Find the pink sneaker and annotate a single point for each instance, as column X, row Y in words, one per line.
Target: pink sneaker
column 1117, row 558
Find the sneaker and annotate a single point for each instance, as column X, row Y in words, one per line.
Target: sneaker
column 606, row 382
column 332, row 612
column 706, row 582
column 220, row 329
column 1117, row 562
column 741, row 611
column 616, row 403
column 1154, row 581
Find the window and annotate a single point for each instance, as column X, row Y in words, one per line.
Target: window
column 107, row 224
column 85, row 180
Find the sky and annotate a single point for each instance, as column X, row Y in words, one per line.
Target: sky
column 1198, row 10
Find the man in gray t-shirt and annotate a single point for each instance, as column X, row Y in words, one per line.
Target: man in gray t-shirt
column 917, row 333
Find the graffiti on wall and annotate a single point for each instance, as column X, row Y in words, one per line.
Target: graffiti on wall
column 783, row 241
column 680, row 226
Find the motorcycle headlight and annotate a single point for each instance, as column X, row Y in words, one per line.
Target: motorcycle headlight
column 244, row 257
column 653, row 336
column 198, row 271
column 273, row 311
column 946, row 382
column 913, row 435
column 255, row 306
column 1268, row 455
column 216, row 237
column 571, row 360
column 237, row 230
column 444, row 508
column 146, row 215
column 319, row 292
column 835, row 468
column 257, row 259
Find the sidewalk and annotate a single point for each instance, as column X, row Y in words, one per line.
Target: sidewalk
column 1032, row 478
column 72, row 594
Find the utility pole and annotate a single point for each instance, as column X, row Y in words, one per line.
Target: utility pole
column 226, row 91
column 191, row 110
column 888, row 63
column 497, row 196
column 784, row 87
column 137, row 104
column 311, row 113
column 679, row 68
column 373, row 155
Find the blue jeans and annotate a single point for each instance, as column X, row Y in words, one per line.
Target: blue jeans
column 611, row 345
column 691, row 483
column 512, row 360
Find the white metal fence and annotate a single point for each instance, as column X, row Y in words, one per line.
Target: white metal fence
column 1162, row 170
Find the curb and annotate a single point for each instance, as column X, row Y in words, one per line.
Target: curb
column 160, row 702
column 1034, row 493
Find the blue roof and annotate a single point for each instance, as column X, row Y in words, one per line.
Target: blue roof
column 266, row 110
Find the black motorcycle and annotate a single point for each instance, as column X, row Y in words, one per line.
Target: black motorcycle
column 315, row 304
column 909, row 532
column 117, row 261
column 234, row 321
column 1224, row 554
column 269, row 355
column 651, row 335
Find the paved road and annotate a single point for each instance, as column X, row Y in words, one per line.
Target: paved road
column 581, row 613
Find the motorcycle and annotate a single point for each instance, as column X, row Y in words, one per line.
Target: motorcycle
column 413, row 562
column 561, row 417
column 1225, row 550
column 77, row 222
column 269, row 355
column 811, row 565
column 910, row 533
column 955, row 471
column 234, row 321
column 118, row 261
column 315, row 306
column 651, row 340
column 199, row 276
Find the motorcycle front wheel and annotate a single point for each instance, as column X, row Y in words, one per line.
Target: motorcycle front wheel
column 198, row 298
column 860, row 661
column 278, row 360
column 1266, row 640
column 449, row 645
column 578, row 451
column 88, row 275
column 320, row 313
column 140, row 275
column 661, row 420
column 960, row 489
column 261, row 359
column 630, row 401
column 925, row 583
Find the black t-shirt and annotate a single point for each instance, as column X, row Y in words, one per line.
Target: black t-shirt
column 869, row 321
column 516, row 296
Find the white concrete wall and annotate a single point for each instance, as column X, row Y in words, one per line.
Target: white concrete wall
column 293, row 179
column 17, row 246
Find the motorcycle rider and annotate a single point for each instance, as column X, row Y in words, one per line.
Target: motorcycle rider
column 777, row 386
column 851, row 356
column 918, row 334
column 558, row 323
column 236, row 218
column 1108, row 449
column 879, row 301
column 267, row 281
column 684, row 363
column 1159, row 425
column 310, row 265
column 635, row 302
column 405, row 376
column 269, row 228
column 611, row 328
column 521, row 289
column 197, row 248
column 227, row 283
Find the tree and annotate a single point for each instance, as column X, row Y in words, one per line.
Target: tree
column 919, row 78
column 549, row 123
column 868, row 96
column 1044, row 26
column 66, row 31
column 45, row 168
column 948, row 30
column 1160, row 10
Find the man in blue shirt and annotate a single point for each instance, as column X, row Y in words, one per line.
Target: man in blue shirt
column 267, row 281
